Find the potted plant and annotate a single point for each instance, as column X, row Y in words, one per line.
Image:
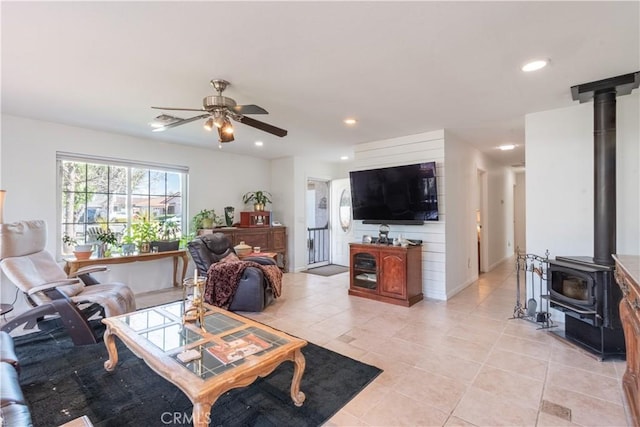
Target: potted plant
column 206, row 218
column 259, row 198
column 128, row 245
column 168, row 237
column 143, row 232
column 82, row 249
column 108, row 239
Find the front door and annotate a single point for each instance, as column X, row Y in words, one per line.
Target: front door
column 341, row 229
column 317, row 210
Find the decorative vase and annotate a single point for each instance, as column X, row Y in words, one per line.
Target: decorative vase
column 258, row 207
column 228, row 215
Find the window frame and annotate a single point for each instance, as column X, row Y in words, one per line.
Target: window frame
column 129, row 165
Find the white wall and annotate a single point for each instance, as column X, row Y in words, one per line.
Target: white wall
column 28, row 173
column 284, row 199
column 559, row 153
column 520, row 240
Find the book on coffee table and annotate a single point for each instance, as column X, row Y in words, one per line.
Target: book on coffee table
column 232, row 351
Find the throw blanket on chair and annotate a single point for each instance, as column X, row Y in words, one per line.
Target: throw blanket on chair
column 223, row 279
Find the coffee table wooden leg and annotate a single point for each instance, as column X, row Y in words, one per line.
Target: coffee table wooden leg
column 110, row 342
column 201, row 414
column 299, row 362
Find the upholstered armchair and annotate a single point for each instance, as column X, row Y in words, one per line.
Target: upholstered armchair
column 254, row 292
column 47, row 288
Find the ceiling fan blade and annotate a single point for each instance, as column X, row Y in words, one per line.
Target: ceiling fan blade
column 179, row 109
column 180, row 122
column 262, row 126
column 249, row 109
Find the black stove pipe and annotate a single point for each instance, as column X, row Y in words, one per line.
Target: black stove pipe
column 603, row 93
column 604, row 141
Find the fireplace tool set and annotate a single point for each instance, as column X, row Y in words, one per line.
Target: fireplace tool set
column 533, row 267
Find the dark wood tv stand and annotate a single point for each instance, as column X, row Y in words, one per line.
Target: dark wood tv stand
column 386, row 273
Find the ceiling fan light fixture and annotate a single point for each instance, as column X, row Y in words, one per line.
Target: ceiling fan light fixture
column 208, row 125
column 227, row 128
column 219, row 120
column 225, row 136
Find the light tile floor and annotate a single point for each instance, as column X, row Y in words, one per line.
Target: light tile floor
column 456, row 363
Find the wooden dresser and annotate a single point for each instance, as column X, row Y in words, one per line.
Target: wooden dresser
column 269, row 239
column 628, row 278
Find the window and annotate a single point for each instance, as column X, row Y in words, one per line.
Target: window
column 98, row 193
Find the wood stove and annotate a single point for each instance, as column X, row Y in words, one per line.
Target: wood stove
column 587, row 294
column 583, row 287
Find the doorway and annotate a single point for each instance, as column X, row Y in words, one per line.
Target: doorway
column 480, row 231
column 317, row 213
column 341, row 221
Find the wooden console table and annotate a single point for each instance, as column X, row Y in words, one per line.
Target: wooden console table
column 72, row 264
column 269, row 239
column 627, row 274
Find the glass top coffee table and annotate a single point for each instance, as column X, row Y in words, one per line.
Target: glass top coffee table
column 232, row 351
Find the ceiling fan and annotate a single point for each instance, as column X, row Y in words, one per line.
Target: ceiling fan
column 218, row 110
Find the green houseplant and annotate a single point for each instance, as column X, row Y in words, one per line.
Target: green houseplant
column 259, row 198
column 128, row 245
column 168, row 237
column 71, row 242
column 206, row 218
column 108, row 240
column 143, row 232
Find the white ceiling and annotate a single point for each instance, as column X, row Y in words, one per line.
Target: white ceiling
column 400, row 68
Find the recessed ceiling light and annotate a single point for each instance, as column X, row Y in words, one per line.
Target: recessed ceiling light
column 344, row 158
column 350, row 121
column 534, row 65
column 506, row 147
column 259, row 143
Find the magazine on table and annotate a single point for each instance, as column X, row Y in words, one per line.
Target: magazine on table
column 237, row 349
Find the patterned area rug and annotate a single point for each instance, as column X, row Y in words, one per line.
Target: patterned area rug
column 61, row 382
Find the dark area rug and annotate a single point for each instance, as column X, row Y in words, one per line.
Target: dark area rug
column 61, row 382
column 327, row 270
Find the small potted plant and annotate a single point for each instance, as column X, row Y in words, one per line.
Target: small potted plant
column 81, row 251
column 143, row 232
column 128, row 245
column 206, row 218
column 168, row 236
column 107, row 239
column 259, row 198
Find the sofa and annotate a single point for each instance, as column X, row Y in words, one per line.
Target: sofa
column 13, row 407
column 254, row 292
column 14, row 411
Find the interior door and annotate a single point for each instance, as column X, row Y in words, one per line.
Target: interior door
column 341, row 230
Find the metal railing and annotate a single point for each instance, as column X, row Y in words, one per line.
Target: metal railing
column 318, row 244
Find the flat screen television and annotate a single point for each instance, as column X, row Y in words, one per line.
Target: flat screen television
column 402, row 194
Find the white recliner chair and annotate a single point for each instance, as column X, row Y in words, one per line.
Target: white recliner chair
column 25, row 262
